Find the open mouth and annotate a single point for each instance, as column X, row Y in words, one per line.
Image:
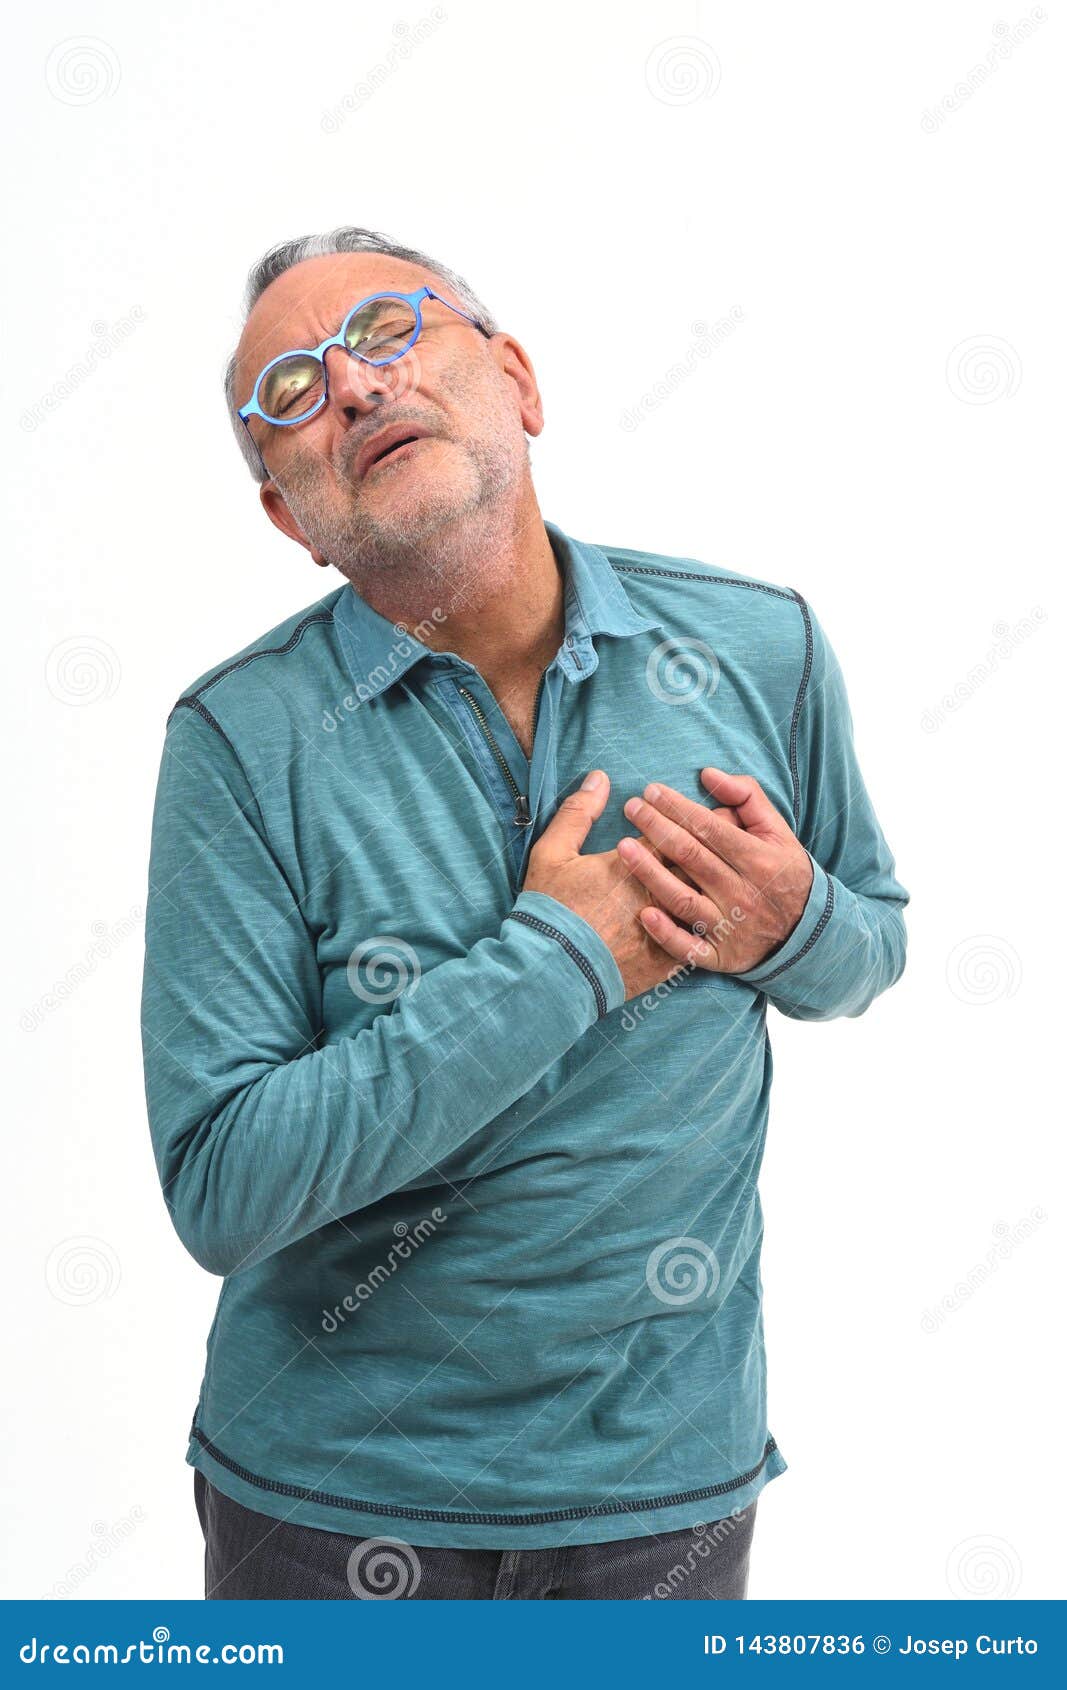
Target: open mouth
column 393, row 448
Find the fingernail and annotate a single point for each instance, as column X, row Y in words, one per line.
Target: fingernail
column 592, row 780
column 653, row 794
column 631, row 807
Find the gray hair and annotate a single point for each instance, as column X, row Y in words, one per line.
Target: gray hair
column 282, row 257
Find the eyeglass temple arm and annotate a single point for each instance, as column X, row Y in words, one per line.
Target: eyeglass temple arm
column 255, row 448
column 428, row 293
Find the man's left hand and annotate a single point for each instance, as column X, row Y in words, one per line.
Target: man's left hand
column 747, row 874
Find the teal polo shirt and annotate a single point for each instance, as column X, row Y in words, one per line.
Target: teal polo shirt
column 489, row 1236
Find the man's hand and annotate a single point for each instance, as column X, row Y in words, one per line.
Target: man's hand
column 600, row 888
column 747, row 874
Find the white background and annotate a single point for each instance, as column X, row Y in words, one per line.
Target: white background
column 605, row 187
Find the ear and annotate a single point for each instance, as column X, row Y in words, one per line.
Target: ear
column 273, row 502
column 515, row 363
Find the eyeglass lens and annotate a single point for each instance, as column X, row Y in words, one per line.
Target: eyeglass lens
column 377, row 333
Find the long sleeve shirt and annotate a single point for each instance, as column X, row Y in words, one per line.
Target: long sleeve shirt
column 489, row 1235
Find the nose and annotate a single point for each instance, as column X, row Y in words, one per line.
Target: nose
column 355, row 387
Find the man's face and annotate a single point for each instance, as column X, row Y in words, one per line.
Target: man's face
column 470, row 399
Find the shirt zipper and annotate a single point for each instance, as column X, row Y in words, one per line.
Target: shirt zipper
column 522, row 802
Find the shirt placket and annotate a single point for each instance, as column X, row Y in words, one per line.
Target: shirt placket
column 517, row 788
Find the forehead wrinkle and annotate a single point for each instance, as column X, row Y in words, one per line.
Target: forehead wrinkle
column 255, row 356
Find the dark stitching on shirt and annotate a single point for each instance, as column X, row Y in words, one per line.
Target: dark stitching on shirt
column 192, row 702
column 775, row 592
column 716, row 580
column 794, row 726
column 828, row 910
column 572, row 951
column 455, row 1517
column 266, row 651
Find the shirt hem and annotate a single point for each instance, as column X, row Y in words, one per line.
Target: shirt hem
column 604, row 1522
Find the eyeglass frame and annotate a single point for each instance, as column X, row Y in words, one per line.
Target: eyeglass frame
column 252, row 407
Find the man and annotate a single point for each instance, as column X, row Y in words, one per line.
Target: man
column 470, row 888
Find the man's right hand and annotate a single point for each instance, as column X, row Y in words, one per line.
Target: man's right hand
column 599, row 888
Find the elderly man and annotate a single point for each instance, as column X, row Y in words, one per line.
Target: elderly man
column 457, row 1080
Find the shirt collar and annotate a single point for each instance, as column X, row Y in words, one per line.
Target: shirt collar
column 595, row 601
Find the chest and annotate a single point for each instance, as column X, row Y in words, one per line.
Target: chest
column 408, row 836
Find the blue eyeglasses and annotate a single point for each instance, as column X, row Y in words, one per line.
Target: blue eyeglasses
column 295, row 385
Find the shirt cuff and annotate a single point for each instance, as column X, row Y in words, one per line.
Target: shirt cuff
column 806, row 934
column 581, row 942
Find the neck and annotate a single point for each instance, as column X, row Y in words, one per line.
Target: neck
column 492, row 593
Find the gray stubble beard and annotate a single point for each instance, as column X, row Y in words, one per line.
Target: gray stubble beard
column 445, row 556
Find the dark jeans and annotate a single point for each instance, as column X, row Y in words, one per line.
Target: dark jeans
column 250, row 1555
